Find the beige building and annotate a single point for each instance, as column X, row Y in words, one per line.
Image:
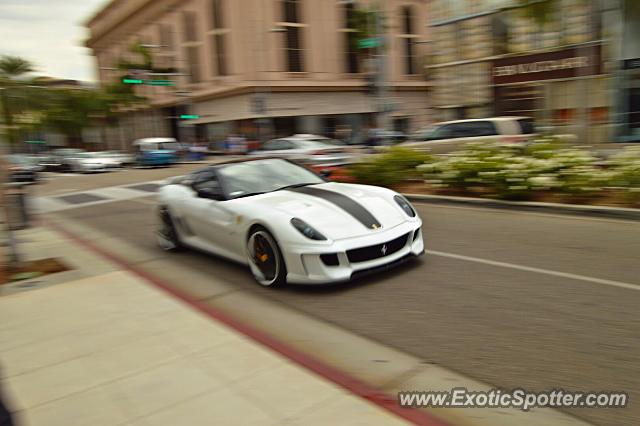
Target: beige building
column 489, row 57
column 287, row 65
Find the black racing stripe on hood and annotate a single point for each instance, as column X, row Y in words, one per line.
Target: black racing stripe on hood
column 344, row 202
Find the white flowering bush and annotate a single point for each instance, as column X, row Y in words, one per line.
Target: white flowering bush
column 515, row 172
column 624, row 171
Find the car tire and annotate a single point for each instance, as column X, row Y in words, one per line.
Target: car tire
column 167, row 235
column 265, row 258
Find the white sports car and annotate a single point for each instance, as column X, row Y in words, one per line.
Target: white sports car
column 287, row 223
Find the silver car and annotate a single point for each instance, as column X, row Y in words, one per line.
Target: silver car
column 86, row 162
column 309, row 149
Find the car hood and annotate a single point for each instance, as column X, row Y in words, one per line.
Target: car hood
column 331, row 220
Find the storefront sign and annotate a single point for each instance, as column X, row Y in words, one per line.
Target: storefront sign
column 568, row 63
column 631, row 64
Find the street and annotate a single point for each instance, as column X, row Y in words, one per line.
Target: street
column 513, row 299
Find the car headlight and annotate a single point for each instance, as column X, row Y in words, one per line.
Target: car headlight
column 307, row 230
column 405, row 205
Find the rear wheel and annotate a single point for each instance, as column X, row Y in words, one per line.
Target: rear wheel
column 167, row 235
column 265, row 258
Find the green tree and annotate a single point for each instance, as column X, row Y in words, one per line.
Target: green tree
column 72, row 110
column 12, row 69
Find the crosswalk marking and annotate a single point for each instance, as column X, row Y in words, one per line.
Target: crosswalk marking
column 66, row 201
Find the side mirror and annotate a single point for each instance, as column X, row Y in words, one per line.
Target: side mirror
column 212, row 193
column 325, row 173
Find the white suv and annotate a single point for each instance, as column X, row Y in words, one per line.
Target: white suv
column 450, row 135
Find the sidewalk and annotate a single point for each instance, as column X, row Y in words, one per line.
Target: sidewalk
column 100, row 346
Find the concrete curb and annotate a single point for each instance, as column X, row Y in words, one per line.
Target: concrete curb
column 556, row 208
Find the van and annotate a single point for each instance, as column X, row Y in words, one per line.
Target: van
column 157, row 151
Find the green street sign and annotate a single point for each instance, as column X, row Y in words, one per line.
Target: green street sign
column 159, row 82
column 132, row 81
column 366, row 43
column 37, row 142
column 189, row 116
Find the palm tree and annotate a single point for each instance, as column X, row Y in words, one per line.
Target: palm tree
column 11, row 69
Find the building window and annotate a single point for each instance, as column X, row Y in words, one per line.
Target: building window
column 216, row 15
column 291, row 10
column 166, row 37
column 194, row 63
column 293, row 28
column 352, row 62
column 219, row 56
column 189, row 20
column 408, row 36
column 218, row 39
column 294, row 49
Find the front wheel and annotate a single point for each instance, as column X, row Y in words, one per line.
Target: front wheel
column 167, row 235
column 265, row 259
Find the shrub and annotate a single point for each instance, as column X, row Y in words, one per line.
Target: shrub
column 624, row 168
column 390, row 168
column 514, row 171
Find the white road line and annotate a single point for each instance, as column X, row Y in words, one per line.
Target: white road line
column 601, row 281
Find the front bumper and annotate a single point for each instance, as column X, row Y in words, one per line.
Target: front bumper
column 306, row 266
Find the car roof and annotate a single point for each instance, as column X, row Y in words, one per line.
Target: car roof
column 303, row 137
column 154, row 140
column 501, row 118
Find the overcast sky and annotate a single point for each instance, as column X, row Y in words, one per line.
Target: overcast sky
column 50, row 34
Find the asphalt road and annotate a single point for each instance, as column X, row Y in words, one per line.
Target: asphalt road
column 513, row 299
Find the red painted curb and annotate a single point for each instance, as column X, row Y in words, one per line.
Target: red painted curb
column 341, row 378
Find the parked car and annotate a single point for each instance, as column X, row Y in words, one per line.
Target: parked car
column 376, row 137
column 118, row 158
column 87, row 162
column 312, row 150
column 22, row 169
column 58, row 159
column 451, row 135
column 157, row 151
column 286, row 223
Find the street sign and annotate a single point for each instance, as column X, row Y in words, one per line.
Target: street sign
column 37, row 142
column 159, row 83
column 189, row 116
column 366, row 43
column 126, row 80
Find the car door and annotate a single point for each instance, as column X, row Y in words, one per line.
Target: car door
column 209, row 218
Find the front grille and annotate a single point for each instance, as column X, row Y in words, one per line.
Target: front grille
column 381, row 268
column 376, row 251
column 330, row 259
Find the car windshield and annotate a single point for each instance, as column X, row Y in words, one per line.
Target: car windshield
column 259, row 176
column 172, row 146
column 20, row 160
column 428, row 133
column 316, row 144
column 327, row 141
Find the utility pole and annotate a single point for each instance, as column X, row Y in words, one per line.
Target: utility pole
column 380, row 66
